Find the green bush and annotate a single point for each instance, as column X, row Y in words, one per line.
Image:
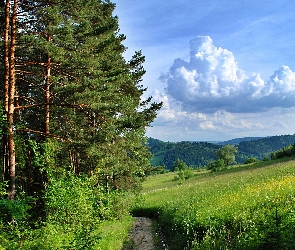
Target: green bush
column 186, row 174
column 3, row 186
column 251, row 160
column 15, row 222
column 179, row 165
column 216, row 165
column 69, row 200
column 76, row 211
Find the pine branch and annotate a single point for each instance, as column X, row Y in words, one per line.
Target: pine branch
column 44, row 134
column 52, row 104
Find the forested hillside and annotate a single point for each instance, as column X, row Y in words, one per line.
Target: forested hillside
column 263, row 147
column 236, row 141
column 199, row 154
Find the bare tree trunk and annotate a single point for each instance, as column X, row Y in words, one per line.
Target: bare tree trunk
column 47, row 92
column 10, row 115
column 5, row 89
column 6, row 54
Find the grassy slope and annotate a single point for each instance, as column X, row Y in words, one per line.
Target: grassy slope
column 247, row 207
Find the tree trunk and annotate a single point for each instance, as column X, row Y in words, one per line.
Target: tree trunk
column 5, row 88
column 11, row 95
column 47, row 94
column 6, row 55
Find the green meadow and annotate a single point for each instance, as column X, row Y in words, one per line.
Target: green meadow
column 244, row 207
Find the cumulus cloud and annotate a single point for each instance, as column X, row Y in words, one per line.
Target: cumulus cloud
column 212, row 81
column 172, row 124
column 172, row 114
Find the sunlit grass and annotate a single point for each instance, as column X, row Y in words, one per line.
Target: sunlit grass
column 246, row 207
column 166, row 180
column 114, row 234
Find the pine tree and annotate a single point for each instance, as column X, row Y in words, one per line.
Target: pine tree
column 9, row 83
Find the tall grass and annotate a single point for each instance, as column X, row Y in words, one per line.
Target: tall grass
column 242, row 208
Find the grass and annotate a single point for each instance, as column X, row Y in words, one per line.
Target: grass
column 245, row 207
column 114, row 234
column 163, row 181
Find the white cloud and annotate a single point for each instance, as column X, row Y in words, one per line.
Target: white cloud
column 212, row 81
column 208, row 125
column 221, row 120
column 172, row 125
column 283, row 80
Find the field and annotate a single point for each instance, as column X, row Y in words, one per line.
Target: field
column 245, row 207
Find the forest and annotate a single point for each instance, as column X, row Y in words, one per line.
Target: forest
column 72, row 120
column 199, row 154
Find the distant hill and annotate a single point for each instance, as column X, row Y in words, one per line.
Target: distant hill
column 236, row 141
column 199, row 154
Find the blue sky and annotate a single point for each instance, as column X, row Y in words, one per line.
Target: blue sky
column 223, row 68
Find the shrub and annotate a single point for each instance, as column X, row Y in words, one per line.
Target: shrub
column 216, row 165
column 184, row 175
column 179, row 165
column 69, row 200
column 251, row 160
column 14, row 221
column 74, row 210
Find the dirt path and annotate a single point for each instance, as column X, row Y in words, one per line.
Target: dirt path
column 142, row 236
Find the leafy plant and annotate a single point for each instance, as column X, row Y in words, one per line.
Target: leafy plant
column 179, row 165
column 3, row 186
column 216, row 165
column 251, row 160
column 15, row 220
column 184, row 174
